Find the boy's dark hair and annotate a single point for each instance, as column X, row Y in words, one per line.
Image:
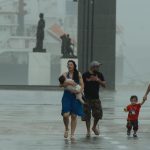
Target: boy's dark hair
column 62, row 79
column 133, row 96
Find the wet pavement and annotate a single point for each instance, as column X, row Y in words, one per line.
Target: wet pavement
column 31, row 120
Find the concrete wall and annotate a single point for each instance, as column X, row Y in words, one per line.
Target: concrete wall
column 39, row 69
column 96, row 36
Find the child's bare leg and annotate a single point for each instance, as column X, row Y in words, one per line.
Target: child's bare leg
column 129, row 127
column 135, row 128
column 79, row 97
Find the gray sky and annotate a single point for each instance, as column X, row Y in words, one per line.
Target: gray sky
column 133, row 15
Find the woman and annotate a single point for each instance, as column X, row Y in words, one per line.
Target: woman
column 70, row 106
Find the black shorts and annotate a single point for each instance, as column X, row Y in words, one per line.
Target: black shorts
column 94, row 107
column 132, row 124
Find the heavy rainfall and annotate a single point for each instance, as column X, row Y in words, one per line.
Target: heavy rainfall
column 37, row 38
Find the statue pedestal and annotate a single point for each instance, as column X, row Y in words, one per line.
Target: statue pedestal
column 39, row 51
column 63, row 64
column 39, row 69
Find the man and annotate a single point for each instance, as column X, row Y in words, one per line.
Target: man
column 147, row 92
column 93, row 79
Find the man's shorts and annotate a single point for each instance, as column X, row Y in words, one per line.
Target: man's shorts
column 94, row 107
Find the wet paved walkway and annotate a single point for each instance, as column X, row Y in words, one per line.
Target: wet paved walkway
column 30, row 120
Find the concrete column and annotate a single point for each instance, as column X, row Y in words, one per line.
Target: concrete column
column 96, row 36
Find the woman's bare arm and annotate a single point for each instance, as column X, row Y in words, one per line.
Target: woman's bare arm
column 71, row 82
column 81, row 82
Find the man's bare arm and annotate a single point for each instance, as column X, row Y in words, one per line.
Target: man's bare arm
column 102, row 83
column 95, row 78
column 143, row 101
column 147, row 92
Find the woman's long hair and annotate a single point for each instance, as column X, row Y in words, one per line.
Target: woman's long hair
column 76, row 72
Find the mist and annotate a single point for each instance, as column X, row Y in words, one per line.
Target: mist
column 16, row 45
column 132, row 16
column 18, row 28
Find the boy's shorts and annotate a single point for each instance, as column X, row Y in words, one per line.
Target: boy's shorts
column 94, row 107
column 132, row 124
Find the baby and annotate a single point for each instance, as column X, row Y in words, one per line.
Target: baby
column 72, row 88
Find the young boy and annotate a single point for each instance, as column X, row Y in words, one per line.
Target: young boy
column 133, row 110
column 70, row 87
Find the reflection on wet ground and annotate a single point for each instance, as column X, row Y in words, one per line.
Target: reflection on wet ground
column 31, row 120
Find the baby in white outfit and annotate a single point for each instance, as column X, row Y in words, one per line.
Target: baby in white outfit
column 76, row 87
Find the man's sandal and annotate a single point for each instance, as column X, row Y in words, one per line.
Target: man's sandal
column 96, row 131
column 88, row 135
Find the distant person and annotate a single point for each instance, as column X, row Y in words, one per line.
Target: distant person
column 71, row 88
column 133, row 110
column 93, row 79
column 70, row 106
column 147, row 92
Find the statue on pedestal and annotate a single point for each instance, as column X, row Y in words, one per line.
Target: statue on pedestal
column 63, row 45
column 66, row 47
column 40, row 35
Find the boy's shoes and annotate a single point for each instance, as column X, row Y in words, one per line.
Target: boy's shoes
column 128, row 133
column 134, row 135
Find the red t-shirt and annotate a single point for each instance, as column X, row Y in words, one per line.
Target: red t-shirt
column 133, row 111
